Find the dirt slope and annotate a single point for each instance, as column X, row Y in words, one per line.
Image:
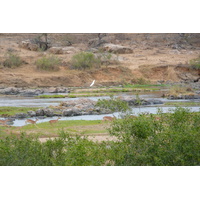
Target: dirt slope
column 154, row 58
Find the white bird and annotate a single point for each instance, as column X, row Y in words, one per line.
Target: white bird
column 92, row 83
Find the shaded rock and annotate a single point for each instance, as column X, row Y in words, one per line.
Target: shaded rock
column 183, row 97
column 40, row 112
column 21, row 115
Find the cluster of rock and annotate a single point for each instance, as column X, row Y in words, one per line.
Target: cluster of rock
column 183, row 96
column 69, row 108
column 32, row 92
column 34, row 45
column 135, row 101
column 80, row 107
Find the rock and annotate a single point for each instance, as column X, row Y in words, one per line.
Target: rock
column 57, row 90
column 31, row 92
column 48, row 112
column 135, row 102
column 32, row 113
column 21, row 115
column 29, row 45
column 40, row 112
column 56, row 50
column 71, row 112
column 113, row 48
column 69, row 50
column 10, row 91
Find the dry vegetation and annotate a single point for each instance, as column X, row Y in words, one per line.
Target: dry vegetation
column 155, row 57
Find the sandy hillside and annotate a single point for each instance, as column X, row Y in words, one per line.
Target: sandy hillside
column 155, row 57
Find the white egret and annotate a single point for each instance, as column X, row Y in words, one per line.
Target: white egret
column 92, row 83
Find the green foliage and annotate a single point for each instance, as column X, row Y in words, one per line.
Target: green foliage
column 49, row 63
column 62, row 151
column 113, row 104
column 165, row 139
column 195, row 63
column 171, row 140
column 85, row 60
column 12, row 60
column 51, row 96
column 9, row 111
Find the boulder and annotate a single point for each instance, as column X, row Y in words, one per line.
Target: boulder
column 40, row 112
column 113, row 48
column 48, row 112
column 10, row 91
column 32, row 113
column 29, row 45
column 71, row 112
column 21, row 115
column 69, row 50
column 56, row 50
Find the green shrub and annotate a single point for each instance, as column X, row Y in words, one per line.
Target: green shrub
column 113, row 104
column 85, row 60
column 49, row 63
column 195, row 63
column 173, row 140
column 12, row 60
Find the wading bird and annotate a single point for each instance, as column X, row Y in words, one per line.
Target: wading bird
column 92, row 83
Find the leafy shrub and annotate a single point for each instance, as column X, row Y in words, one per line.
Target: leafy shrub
column 170, row 141
column 195, row 63
column 113, row 104
column 50, row 63
column 12, row 60
column 85, row 60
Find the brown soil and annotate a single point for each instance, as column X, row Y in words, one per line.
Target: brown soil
column 149, row 62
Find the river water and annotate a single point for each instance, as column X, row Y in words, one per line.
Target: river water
column 31, row 102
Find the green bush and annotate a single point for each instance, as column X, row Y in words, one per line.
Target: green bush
column 85, row 60
column 50, row 63
column 12, row 60
column 173, row 140
column 195, row 63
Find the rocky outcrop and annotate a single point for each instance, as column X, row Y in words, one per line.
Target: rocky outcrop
column 32, row 92
column 181, row 96
column 135, row 101
column 113, row 48
column 81, row 107
column 63, row 50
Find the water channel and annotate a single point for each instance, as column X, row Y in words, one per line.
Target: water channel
column 32, row 102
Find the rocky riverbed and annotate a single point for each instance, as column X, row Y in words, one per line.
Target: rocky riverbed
column 79, row 107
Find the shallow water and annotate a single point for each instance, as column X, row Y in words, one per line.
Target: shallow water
column 31, row 102
column 135, row 111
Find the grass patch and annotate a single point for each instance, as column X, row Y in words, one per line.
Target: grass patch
column 10, row 111
column 195, row 63
column 12, row 60
column 85, row 60
column 48, row 63
column 51, row 96
column 176, row 90
column 182, row 104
